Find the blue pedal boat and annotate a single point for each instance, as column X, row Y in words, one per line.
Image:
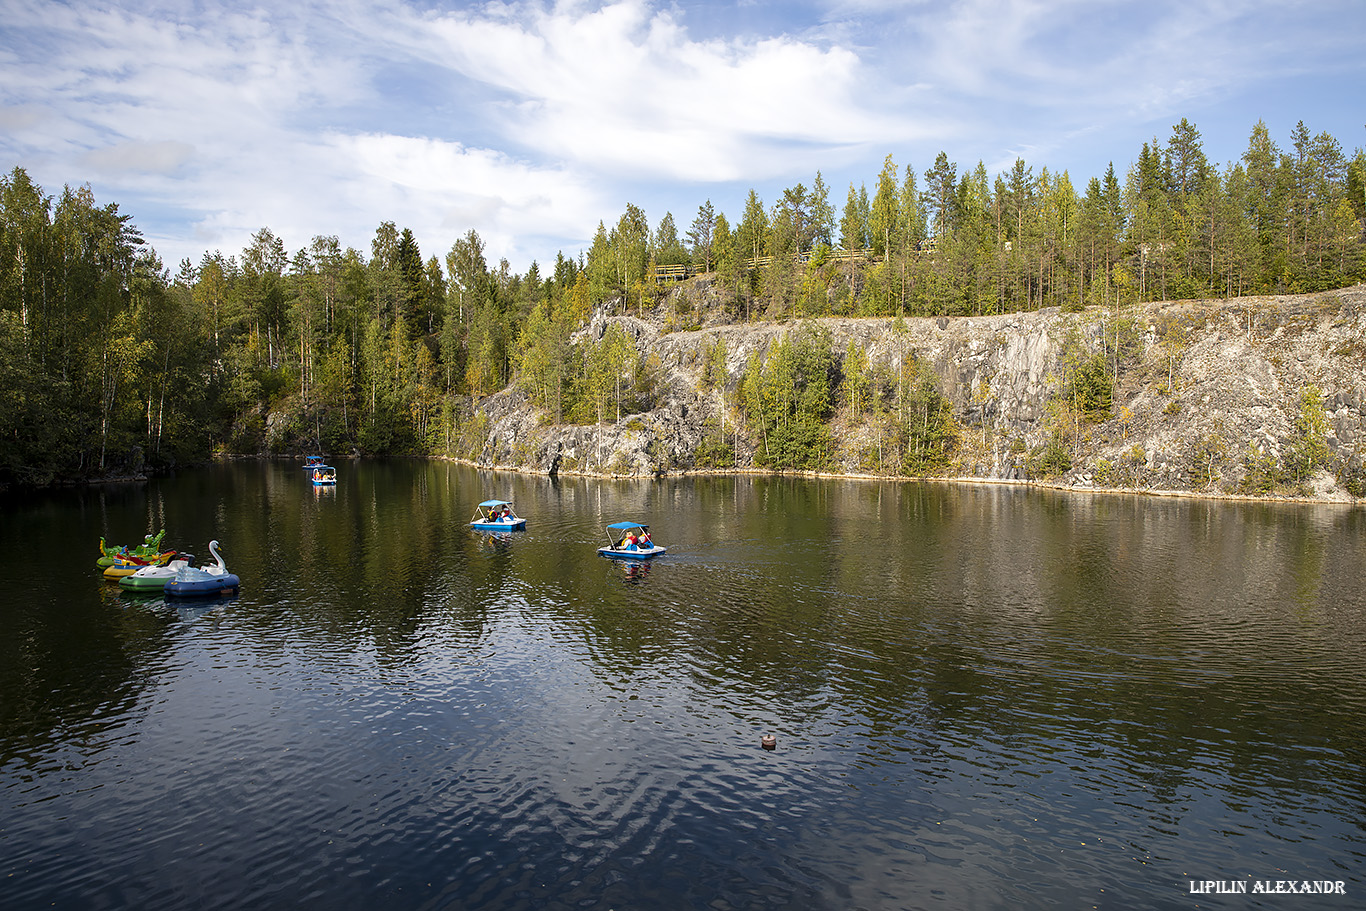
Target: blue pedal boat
column 496, row 515
column 203, row 582
column 630, row 541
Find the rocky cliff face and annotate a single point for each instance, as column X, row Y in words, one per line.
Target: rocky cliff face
column 1201, row 389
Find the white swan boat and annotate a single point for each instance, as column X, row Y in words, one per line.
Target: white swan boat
column 191, row 581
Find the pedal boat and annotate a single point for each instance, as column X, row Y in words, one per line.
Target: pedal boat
column 620, row 548
column 151, row 544
column 154, row 578
column 324, row 476
column 208, row 581
column 496, row 515
column 128, row 564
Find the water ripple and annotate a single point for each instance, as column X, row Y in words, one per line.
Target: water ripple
column 981, row 698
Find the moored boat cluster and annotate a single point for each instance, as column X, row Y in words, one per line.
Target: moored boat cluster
column 147, row 569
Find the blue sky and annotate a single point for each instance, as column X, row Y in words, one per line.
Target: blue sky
column 532, row 122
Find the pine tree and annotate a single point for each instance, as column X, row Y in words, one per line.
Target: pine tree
column 700, row 236
column 884, row 220
column 940, row 193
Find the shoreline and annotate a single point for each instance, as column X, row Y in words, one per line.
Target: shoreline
column 1163, row 493
column 1347, row 501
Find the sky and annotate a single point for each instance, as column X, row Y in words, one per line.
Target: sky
column 531, row 122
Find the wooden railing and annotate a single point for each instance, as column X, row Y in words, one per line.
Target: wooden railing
column 676, row 273
column 680, row 272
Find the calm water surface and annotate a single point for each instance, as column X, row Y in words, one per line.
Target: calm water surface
column 983, row 697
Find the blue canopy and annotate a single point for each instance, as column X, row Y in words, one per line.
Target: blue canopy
column 488, row 503
column 624, row 526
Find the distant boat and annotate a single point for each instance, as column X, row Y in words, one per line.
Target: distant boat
column 630, row 541
column 324, row 475
column 496, row 515
column 312, row 462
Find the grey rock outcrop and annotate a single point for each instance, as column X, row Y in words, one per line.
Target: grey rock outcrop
column 1200, row 384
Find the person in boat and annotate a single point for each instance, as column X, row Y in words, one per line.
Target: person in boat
column 630, row 542
column 644, row 541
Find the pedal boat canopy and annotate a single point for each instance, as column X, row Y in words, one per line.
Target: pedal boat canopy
column 496, row 515
column 620, row 546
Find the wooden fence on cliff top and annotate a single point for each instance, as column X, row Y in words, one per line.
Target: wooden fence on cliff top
column 679, row 272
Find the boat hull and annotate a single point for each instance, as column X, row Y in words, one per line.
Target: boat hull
column 514, row 525
column 646, row 554
column 146, row 583
column 225, row 584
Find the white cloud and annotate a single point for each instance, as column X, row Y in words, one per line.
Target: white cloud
column 623, row 89
column 451, row 188
column 164, row 157
column 530, row 121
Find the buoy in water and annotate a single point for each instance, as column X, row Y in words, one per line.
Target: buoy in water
column 769, row 742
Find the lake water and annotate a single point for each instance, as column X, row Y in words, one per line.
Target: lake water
column 983, row 697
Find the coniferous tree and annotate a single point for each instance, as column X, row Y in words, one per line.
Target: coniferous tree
column 630, row 243
column 700, row 236
column 940, row 194
column 884, row 222
column 751, row 241
column 666, row 248
column 341, row 351
column 853, row 231
column 820, row 213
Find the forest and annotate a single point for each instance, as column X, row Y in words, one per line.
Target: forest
column 112, row 365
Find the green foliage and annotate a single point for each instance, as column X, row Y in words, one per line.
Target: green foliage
column 109, row 364
column 787, row 399
column 1262, row 471
column 1351, row 474
column 544, row 359
column 714, row 451
column 89, row 338
column 856, row 383
column 1125, row 471
column 930, row 429
column 1051, row 459
column 1087, row 382
column 714, row 364
column 1207, row 455
column 1091, row 388
column 32, row 443
column 1177, row 227
column 1307, row 450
